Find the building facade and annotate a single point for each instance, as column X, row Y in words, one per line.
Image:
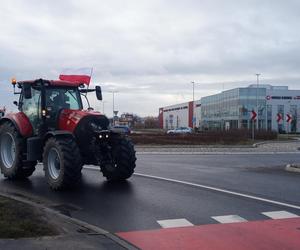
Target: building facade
column 232, row 109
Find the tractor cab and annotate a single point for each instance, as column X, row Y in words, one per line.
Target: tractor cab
column 43, row 101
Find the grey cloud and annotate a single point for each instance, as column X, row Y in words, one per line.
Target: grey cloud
column 151, row 50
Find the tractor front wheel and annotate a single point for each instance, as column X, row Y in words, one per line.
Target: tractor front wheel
column 12, row 164
column 62, row 163
column 122, row 164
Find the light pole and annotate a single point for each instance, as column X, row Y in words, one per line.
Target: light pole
column 103, row 109
column 194, row 118
column 113, row 94
column 257, row 82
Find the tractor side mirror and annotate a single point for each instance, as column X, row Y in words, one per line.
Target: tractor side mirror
column 27, row 91
column 99, row 93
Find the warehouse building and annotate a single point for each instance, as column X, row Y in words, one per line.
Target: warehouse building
column 278, row 109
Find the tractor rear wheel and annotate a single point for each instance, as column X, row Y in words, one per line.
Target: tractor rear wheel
column 12, row 146
column 62, row 163
column 123, row 160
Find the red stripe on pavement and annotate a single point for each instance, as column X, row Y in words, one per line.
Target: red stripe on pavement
column 258, row 235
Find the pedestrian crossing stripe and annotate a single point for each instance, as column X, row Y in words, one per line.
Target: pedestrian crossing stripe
column 223, row 219
column 174, row 223
column 229, row 219
column 280, row 215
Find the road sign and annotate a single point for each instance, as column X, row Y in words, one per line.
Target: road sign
column 253, row 115
column 289, row 118
column 279, row 117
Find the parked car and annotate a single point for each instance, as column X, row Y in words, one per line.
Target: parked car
column 180, row 130
column 121, row 129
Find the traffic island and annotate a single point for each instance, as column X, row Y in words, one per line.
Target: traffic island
column 293, row 168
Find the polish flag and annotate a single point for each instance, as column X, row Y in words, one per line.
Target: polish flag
column 81, row 75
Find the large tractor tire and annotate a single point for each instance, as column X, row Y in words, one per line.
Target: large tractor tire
column 12, row 164
column 123, row 160
column 62, row 163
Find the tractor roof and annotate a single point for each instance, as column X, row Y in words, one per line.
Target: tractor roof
column 53, row 82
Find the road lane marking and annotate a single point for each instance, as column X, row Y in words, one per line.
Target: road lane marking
column 229, row 219
column 210, row 188
column 280, row 215
column 174, row 223
column 219, row 190
column 214, row 153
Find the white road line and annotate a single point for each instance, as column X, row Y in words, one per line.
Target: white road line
column 174, row 223
column 280, row 215
column 229, row 219
column 211, row 188
column 215, row 153
column 220, row 190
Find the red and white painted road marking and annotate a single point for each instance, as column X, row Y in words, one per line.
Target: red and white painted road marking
column 258, row 235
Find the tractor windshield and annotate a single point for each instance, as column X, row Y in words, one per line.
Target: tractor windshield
column 63, row 98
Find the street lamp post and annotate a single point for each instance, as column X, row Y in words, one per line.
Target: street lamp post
column 194, row 118
column 103, row 108
column 113, row 95
column 257, row 82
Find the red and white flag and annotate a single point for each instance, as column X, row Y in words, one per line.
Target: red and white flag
column 81, row 75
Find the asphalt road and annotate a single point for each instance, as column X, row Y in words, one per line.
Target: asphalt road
column 139, row 203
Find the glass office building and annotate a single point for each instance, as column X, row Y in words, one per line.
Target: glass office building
column 232, row 109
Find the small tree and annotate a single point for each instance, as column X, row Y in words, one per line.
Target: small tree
column 151, row 122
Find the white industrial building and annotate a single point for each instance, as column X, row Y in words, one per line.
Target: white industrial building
column 231, row 109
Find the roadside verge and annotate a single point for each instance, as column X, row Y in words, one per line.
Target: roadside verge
column 73, row 233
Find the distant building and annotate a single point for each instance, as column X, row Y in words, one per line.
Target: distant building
column 180, row 115
column 231, row 109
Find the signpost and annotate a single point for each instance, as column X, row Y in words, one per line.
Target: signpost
column 289, row 119
column 253, row 119
column 279, row 117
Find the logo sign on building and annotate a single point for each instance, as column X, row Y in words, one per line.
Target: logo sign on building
column 253, row 115
column 279, row 117
column 289, row 118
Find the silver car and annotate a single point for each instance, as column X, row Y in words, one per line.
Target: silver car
column 180, row 130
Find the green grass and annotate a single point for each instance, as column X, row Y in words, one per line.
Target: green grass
column 19, row 220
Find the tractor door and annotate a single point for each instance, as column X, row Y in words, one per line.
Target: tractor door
column 32, row 108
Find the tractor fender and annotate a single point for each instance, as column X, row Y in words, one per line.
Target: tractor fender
column 20, row 121
column 36, row 144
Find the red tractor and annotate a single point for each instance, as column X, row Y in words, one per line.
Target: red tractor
column 51, row 127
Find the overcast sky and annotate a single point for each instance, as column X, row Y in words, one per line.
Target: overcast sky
column 150, row 51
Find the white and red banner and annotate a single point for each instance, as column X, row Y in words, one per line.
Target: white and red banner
column 81, row 75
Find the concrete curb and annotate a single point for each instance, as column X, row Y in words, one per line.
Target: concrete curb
column 293, row 168
column 71, row 220
column 292, row 140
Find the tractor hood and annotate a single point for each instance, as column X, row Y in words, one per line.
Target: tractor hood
column 69, row 119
